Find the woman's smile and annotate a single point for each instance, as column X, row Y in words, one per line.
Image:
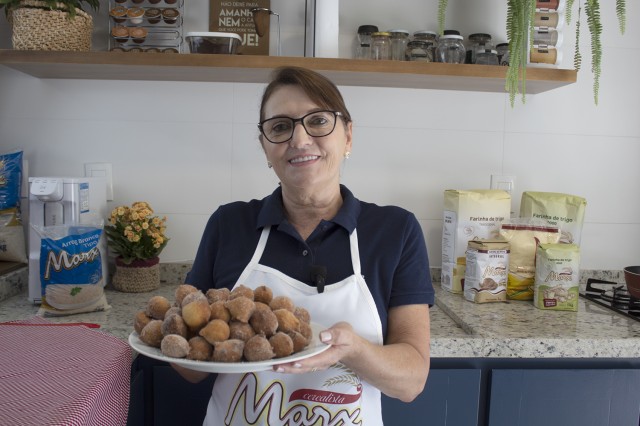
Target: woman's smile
column 304, row 159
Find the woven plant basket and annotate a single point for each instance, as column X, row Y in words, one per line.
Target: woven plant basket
column 46, row 29
column 140, row 276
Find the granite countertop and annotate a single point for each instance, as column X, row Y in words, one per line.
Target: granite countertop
column 459, row 328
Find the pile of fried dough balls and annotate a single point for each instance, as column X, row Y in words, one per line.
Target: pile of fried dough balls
column 224, row 326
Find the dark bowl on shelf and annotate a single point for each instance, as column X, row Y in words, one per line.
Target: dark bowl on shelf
column 632, row 278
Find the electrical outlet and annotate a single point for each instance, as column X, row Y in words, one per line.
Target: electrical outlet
column 101, row 170
column 504, row 182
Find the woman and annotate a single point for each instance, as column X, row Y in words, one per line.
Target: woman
column 359, row 268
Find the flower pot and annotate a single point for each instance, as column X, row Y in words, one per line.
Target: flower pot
column 34, row 28
column 140, row 276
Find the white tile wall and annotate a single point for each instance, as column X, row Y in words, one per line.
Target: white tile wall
column 188, row 147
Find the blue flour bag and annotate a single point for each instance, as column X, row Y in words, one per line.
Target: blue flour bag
column 71, row 266
column 10, row 179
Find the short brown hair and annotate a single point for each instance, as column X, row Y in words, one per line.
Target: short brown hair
column 317, row 87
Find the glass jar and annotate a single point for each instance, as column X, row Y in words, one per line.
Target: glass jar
column 547, row 36
column 380, row 46
column 547, row 18
column 419, row 50
column 486, row 57
column 451, row 49
column 503, row 53
column 398, row 41
column 477, row 42
column 363, row 50
column 431, row 38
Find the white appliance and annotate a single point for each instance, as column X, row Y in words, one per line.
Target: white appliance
column 63, row 201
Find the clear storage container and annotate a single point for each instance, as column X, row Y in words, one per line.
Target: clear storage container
column 398, row 44
column 419, row 50
column 380, row 46
column 451, row 49
column 477, row 41
column 363, row 50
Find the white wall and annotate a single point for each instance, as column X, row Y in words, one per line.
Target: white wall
column 188, row 147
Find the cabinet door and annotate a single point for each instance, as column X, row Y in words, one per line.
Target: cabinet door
column 450, row 398
column 564, row 397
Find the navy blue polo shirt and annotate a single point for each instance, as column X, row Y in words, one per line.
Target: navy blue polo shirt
column 393, row 254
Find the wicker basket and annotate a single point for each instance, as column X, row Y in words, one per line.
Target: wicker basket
column 140, row 276
column 46, row 29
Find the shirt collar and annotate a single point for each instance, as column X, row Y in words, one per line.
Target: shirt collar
column 272, row 213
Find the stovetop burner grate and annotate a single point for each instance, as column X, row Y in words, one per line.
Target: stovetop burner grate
column 613, row 296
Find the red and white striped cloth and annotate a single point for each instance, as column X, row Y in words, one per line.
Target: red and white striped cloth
column 62, row 375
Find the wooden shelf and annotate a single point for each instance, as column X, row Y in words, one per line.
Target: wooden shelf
column 256, row 69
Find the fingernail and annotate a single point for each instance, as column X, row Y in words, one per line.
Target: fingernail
column 279, row 370
column 297, row 365
column 325, row 336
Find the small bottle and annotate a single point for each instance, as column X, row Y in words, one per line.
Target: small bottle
column 451, row 48
column 363, row 50
column 430, row 37
column 503, row 53
column 398, row 41
column 419, row 50
column 380, row 46
column 486, row 57
column 477, row 41
column 547, row 36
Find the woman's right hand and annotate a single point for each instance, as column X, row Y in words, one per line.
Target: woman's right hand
column 189, row 375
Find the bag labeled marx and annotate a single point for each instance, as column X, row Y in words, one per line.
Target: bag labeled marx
column 557, row 279
column 468, row 215
column 562, row 210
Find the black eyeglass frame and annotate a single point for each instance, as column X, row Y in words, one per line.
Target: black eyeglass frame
column 300, row 120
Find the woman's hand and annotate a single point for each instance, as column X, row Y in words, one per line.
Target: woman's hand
column 344, row 344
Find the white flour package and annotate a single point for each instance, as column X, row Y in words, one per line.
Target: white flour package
column 468, row 215
column 562, row 210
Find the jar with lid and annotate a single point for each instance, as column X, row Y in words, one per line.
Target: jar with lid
column 486, row 57
column 380, row 46
column 503, row 53
column 419, row 50
column 363, row 50
column 451, row 48
column 547, row 36
column 477, row 42
column 398, row 44
column 431, row 37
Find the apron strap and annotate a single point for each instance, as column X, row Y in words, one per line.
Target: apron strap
column 355, row 253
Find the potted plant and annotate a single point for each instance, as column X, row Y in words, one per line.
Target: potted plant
column 520, row 18
column 50, row 24
column 137, row 237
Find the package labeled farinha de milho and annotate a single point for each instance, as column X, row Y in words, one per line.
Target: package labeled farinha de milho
column 562, row 210
column 557, row 279
column 468, row 215
column 485, row 277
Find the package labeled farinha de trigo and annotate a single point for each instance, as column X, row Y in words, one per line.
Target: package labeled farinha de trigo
column 468, row 215
column 557, row 277
column 485, row 277
column 562, row 210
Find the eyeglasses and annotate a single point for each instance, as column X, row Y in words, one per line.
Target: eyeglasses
column 316, row 124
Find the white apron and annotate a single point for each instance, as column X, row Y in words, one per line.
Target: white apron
column 336, row 396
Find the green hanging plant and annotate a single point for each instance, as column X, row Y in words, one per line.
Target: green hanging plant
column 520, row 16
column 442, row 8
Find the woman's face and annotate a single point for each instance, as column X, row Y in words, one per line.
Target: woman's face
column 305, row 162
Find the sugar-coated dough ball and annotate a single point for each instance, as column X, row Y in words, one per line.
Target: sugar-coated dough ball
column 228, row 351
column 305, row 330
column 240, row 308
column 287, row 321
column 241, row 291
column 263, row 294
column 152, row 333
column 215, row 331
column 174, row 324
column 219, row 311
column 196, row 314
column 264, row 321
column 282, row 302
column 240, row 331
column 299, row 341
column 141, row 319
column 174, row 310
column 218, row 294
column 199, row 349
column 182, row 291
column 192, row 297
column 302, row 314
column 258, row 348
column 157, row 306
column 174, row 346
column 282, row 344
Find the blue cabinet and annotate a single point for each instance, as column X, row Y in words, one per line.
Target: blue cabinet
column 584, row 397
column 450, row 398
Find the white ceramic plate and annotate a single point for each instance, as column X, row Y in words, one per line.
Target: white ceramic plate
column 315, row 347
